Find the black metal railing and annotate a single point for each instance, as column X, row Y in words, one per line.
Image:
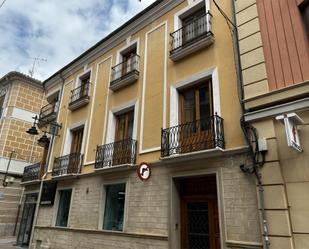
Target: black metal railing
column 80, row 92
column 32, row 172
column 69, row 164
column 199, row 135
column 123, row 69
column 192, row 32
column 117, row 153
column 48, row 110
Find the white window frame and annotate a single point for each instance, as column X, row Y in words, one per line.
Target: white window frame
column 191, row 7
column 129, row 44
column 212, row 74
column 81, row 75
column 57, row 202
column 111, row 127
column 68, row 137
column 103, row 202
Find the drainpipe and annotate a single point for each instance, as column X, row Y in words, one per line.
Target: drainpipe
column 246, row 127
column 44, row 176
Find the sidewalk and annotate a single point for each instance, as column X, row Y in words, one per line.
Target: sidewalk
column 8, row 243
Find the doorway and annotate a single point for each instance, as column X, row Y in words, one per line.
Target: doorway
column 26, row 222
column 199, row 216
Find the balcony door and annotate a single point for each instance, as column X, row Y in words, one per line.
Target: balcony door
column 196, row 129
column 128, row 59
column 123, row 135
column 194, row 25
column 84, row 81
column 76, row 145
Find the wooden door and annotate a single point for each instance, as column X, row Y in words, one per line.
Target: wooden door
column 76, row 145
column 196, row 129
column 199, row 214
column 123, row 135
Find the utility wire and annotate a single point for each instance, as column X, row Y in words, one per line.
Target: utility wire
column 2, row 3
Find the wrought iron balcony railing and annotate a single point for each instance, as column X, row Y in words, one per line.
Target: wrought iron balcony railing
column 66, row 165
column 48, row 113
column 199, row 135
column 32, row 172
column 125, row 69
column 117, row 153
column 80, row 92
column 192, row 32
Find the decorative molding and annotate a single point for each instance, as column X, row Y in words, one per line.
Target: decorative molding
column 141, row 150
column 92, row 103
column 294, row 106
column 105, row 46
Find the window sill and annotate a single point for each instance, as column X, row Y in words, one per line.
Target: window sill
column 107, row 232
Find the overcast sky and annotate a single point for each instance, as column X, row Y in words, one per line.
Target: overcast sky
column 56, row 30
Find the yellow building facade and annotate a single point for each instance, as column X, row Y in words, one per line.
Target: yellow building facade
column 149, row 145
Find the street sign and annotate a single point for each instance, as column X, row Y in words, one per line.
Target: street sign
column 143, row 171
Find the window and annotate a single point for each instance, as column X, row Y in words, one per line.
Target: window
column 77, row 139
column 194, row 25
column 196, row 103
column 114, row 207
column 304, row 10
column 124, row 126
column 64, row 207
column 128, row 60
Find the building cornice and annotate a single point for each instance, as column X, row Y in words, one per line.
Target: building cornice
column 14, row 76
column 138, row 22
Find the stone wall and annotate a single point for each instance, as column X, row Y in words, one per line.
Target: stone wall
column 148, row 207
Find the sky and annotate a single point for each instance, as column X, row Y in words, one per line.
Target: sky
column 56, row 31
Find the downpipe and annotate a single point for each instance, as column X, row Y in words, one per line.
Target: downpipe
column 254, row 152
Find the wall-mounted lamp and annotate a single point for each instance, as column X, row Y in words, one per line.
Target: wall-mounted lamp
column 33, row 130
column 43, row 141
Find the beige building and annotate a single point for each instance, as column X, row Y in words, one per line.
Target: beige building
column 21, row 98
column 149, row 146
column 275, row 69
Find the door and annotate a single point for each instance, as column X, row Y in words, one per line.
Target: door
column 123, row 138
column 200, row 223
column 26, row 222
column 76, row 145
column 196, row 130
column 128, row 60
column 193, row 26
column 199, row 213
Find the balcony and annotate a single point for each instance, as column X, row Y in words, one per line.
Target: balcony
column 48, row 113
column 125, row 73
column 199, row 135
column 32, row 172
column 191, row 37
column 67, row 165
column 79, row 96
column 118, row 153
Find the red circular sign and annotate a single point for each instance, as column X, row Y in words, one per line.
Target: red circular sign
column 143, row 171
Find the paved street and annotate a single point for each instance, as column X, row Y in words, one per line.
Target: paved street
column 8, row 243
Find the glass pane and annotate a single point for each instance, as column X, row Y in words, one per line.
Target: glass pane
column 205, row 107
column 64, row 208
column 114, row 207
column 189, row 106
column 130, row 125
column 121, row 125
column 198, row 227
